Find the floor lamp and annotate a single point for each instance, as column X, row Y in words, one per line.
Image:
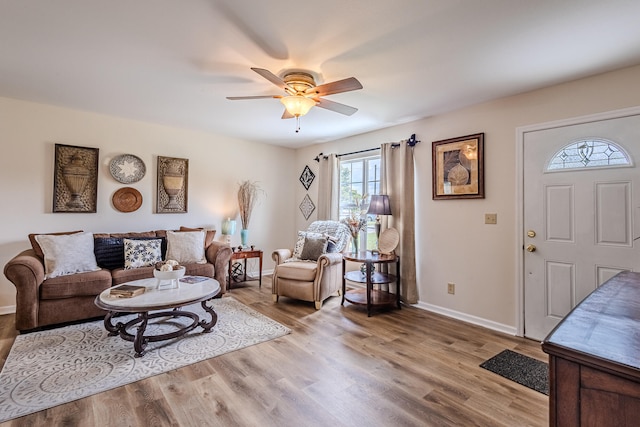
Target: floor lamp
column 379, row 205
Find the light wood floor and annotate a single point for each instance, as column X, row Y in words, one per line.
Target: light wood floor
column 337, row 368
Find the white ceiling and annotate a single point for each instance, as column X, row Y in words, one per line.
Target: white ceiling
column 174, row 61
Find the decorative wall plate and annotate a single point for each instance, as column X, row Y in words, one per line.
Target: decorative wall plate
column 307, row 177
column 388, row 241
column 307, row 207
column 127, row 168
column 127, row 199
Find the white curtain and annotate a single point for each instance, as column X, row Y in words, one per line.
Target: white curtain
column 328, row 187
column 397, row 182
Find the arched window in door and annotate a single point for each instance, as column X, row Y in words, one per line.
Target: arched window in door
column 589, row 153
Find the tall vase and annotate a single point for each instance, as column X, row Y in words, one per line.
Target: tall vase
column 244, row 235
column 355, row 241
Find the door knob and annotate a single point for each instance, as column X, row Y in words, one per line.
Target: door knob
column 531, row 248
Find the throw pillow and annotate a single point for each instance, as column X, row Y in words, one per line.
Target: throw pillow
column 142, row 253
column 331, row 243
column 314, row 247
column 67, row 254
column 186, row 247
column 208, row 238
column 109, row 251
column 297, row 249
column 36, row 247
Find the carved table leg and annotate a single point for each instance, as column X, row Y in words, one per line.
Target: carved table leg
column 214, row 318
column 110, row 327
column 140, row 342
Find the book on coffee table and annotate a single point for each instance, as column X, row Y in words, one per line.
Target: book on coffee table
column 126, row 291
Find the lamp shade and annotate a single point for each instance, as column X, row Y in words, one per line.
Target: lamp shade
column 379, row 205
column 297, row 105
column 228, row 227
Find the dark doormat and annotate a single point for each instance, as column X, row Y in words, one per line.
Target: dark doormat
column 522, row 369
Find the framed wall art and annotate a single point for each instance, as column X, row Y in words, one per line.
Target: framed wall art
column 173, row 180
column 458, row 168
column 307, row 207
column 75, row 181
column 307, row 177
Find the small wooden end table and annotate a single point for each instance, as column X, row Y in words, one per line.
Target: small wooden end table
column 244, row 255
column 370, row 297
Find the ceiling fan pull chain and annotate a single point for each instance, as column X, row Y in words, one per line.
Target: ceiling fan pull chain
column 297, row 124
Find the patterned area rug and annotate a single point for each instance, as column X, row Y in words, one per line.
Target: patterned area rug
column 48, row 368
column 522, row 369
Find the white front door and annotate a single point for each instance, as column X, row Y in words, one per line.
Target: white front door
column 579, row 223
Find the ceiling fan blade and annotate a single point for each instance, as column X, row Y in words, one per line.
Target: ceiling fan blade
column 287, row 114
column 237, row 98
column 339, row 86
column 273, row 79
column 335, row 106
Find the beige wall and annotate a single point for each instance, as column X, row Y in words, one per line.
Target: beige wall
column 453, row 243
column 217, row 164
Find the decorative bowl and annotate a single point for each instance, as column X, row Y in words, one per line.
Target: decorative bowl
column 169, row 275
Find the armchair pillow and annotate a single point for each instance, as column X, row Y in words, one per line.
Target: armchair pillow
column 314, row 247
column 67, row 254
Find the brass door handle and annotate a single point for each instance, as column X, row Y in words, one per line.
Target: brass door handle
column 531, row 248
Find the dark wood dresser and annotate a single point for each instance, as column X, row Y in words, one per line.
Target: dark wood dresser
column 594, row 358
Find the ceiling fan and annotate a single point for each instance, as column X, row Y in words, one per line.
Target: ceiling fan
column 302, row 93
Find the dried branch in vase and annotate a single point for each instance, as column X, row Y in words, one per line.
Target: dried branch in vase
column 248, row 192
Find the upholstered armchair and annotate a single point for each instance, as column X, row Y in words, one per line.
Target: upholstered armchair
column 312, row 279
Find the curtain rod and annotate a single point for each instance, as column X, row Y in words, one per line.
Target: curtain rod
column 411, row 142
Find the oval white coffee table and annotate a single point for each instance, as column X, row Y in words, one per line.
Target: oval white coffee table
column 168, row 301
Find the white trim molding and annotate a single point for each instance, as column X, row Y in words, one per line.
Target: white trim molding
column 7, row 309
column 485, row 323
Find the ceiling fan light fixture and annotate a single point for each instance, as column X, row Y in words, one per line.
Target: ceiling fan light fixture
column 297, row 105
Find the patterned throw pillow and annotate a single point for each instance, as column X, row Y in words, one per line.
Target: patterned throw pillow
column 67, row 254
column 142, row 253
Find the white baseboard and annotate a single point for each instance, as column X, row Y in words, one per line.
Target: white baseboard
column 489, row 324
column 7, row 309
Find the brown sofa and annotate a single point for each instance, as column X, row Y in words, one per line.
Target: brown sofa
column 62, row 299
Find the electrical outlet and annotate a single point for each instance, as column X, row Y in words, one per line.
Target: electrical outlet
column 490, row 218
column 451, row 288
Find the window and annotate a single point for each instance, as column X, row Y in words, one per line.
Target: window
column 360, row 176
column 588, row 153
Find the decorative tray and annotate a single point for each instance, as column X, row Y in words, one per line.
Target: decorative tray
column 127, row 168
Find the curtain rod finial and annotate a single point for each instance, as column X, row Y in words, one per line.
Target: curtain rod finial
column 317, row 159
column 412, row 140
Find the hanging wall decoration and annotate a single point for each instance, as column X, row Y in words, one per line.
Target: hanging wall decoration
column 127, row 168
column 458, row 168
column 173, row 174
column 307, row 207
column 75, row 183
column 307, row 177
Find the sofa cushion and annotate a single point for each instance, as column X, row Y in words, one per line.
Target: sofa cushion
column 299, row 246
column 67, row 254
column 186, row 247
column 81, row 284
column 36, row 247
column 141, row 253
column 109, row 250
column 298, row 270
